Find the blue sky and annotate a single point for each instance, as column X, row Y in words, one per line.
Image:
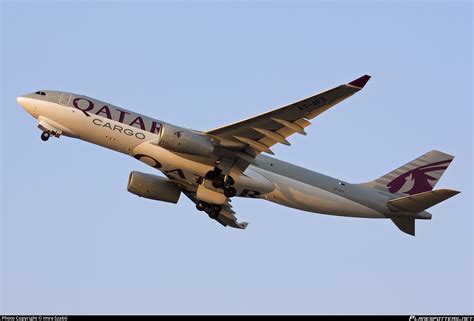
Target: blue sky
column 75, row 241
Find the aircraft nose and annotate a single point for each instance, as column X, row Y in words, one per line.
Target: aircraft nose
column 21, row 101
column 26, row 103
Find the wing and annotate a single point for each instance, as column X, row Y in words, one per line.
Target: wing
column 259, row 133
column 226, row 216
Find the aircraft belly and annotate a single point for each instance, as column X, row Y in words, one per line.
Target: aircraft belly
column 253, row 181
column 309, row 198
column 250, row 184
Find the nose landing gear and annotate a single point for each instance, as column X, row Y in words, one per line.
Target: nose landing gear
column 45, row 136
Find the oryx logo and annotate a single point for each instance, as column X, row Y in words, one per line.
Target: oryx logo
column 417, row 180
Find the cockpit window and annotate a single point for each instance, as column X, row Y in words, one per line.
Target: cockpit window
column 42, row 93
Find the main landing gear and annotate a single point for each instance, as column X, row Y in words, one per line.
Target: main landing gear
column 221, row 181
column 218, row 181
column 230, row 192
column 212, row 209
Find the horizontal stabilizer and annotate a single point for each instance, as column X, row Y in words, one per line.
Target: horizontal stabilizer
column 419, row 202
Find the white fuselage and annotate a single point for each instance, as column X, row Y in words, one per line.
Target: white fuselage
column 136, row 135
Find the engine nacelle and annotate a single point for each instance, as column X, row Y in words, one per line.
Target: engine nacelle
column 181, row 140
column 153, row 187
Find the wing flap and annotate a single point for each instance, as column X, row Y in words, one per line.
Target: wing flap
column 227, row 218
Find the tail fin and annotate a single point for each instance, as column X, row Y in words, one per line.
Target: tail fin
column 418, row 176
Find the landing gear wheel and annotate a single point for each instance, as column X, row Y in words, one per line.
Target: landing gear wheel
column 213, row 174
column 45, row 136
column 229, row 181
column 230, row 192
column 202, row 206
column 218, row 182
column 214, row 211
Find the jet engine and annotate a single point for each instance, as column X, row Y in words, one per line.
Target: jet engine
column 181, row 140
column 153, row 187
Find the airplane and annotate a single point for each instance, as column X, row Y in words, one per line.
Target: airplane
column 211, row 167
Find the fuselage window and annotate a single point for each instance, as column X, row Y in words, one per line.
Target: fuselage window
column 42, row 93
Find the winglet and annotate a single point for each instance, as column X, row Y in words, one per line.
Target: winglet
column 360, row 82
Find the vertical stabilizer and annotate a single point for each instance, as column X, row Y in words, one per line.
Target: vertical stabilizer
column 418, row 176
column 406, row 225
